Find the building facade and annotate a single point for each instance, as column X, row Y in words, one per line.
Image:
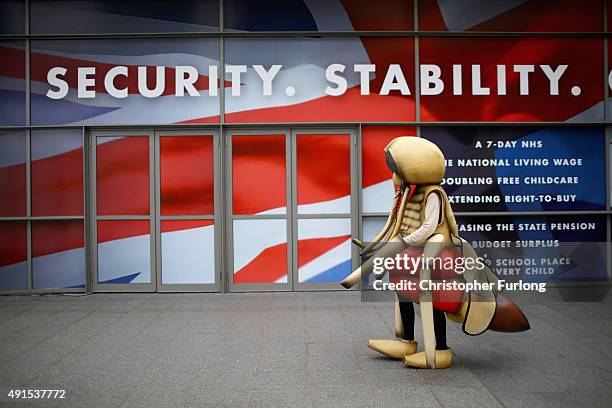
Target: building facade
column 126, row 165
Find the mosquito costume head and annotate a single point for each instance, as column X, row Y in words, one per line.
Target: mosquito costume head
column 415, row 160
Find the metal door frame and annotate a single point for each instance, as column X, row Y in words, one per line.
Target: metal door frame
column 215, row 217
column 290, row 216
column 230, row 217
column 154, row 216
column 353, row 213
column 121, row 287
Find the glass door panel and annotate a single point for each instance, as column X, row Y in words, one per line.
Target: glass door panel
column 324, row 223
column 323, row 173
column 185, row 215
column 123, row 175
column 186, row 174
column 290, row 209
column 122, row 209
column 258, row 227
column 260, row 251
column 259, row 174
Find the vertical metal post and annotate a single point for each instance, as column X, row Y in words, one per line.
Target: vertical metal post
column 93, row 210
column 291, row 219
column 221, row 211
column 229, row 210
column 28, row 138
column 218, row 212
column 28, row 148
column 156, row 211
column 355, row 160
column 417, row 72
column 359, row 181
column 607, row 140
column 152, row 218
column 222, row 250
column 87, row 211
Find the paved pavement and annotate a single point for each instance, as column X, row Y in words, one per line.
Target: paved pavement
column 289, row 350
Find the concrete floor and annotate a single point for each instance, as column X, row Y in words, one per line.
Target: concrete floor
column 289, row 350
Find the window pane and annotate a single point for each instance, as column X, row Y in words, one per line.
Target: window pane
column 525, row 169
column 119, row 16
column 12, row 17
column 187, row 175
column 260, row 251
column 12, row 83
column 293, row 15
column 12, row 174
column 58, row 254
column 578, row 100
column 13, row 255
column 57, row 172
column 371, row 227
column 304, row 62
column 376, row 178
column 122, row 175
column 188, row 251
column 124, row 252
column 259, row 174
column 324, row 174
column 521, row 16
column 99, row 104
column 324, row 249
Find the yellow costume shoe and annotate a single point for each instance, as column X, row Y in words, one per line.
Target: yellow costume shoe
column 444, row 359
column 397, row 349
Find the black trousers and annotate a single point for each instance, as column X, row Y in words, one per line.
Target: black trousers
column 407, row 312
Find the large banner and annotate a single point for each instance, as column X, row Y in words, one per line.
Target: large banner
column 523, row 168
column 540, row 249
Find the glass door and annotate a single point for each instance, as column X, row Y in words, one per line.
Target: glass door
column 186, row 204
column 154, row 203
column 290, row 209
column 259, row 227
column 325, row 207
column 123, row 224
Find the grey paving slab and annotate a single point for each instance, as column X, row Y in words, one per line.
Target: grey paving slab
column 465, row 397
column 290, row 350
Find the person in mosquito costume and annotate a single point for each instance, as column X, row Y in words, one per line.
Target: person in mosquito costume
column 422, row 224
